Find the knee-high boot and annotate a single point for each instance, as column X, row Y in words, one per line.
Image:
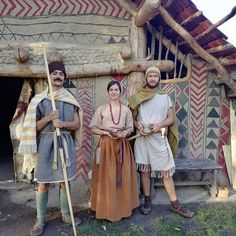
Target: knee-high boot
column 41, row 205
column 65, row 211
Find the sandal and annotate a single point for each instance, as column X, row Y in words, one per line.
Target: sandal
column 37, row 229
column 177, row 208
column 67, row 220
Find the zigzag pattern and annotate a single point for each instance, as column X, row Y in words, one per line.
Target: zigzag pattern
column 30, row 8
column 224, row 133
column 198, row 86
column 60, row 37
column 84, row 152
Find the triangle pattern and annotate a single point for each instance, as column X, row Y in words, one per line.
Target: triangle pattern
column 212, row 124
column 213, row 114
column 212, row 134
column 213, row 93
column 214, row 103
column 211, row 145
column 213, row 85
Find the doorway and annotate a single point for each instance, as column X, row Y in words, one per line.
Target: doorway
column 10, row 90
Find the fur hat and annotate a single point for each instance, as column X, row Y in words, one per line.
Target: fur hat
column 56, row 65
column 152, row 69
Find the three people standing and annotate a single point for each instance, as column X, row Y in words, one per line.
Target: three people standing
column 114, row 188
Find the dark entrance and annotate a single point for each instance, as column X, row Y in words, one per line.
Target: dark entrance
column 10, row 89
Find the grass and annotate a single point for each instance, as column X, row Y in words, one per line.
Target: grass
column 211, row 220
column 216, row 219
column 104, row 228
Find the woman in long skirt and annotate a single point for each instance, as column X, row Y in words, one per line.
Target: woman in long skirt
column 114, row 192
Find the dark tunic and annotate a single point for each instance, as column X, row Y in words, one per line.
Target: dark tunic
column 44, row 173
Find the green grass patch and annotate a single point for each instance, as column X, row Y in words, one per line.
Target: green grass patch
column 104, row 228
column 211, row 220
column 215, row 219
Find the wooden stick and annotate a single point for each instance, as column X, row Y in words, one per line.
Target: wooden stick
column 160, row 44
column 134, row 137
column 175, row 63
column 58, row 132
column 153, row 44
column 181, row 67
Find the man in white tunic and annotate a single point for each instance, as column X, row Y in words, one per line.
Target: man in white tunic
column 153, row 118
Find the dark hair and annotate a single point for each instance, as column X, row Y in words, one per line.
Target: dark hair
column 111, row 83
column 56, row 65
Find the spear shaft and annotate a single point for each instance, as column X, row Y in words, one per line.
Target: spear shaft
column 61, row 152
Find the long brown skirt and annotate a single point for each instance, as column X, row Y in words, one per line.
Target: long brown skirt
column 114, row 192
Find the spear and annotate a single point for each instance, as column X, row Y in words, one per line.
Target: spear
column 61, row 152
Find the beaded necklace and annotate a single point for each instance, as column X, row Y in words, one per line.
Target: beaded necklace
column 112, row 118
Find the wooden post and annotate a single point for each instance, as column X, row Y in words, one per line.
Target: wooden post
column 137, row 38
column 233, row 142
column 147, row 12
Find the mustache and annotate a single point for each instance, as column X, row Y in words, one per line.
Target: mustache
column 58, row 79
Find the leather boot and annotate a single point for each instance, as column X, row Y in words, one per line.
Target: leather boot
column 41, row 205
column 177, row 208
column 147, row 207
column 65, row 211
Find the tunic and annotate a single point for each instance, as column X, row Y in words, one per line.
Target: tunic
column 114, row 190
column 153, row 151
column 44, row 173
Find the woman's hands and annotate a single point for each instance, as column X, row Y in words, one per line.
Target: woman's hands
column 119, row 134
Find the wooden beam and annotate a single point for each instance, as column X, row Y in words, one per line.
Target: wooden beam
column 223, row 74
column 86, row 70
column 147, row 12
column 37, row 47
column 224, row 62
column 231, row 95
column 191, row 18
column 127, row 6
column 168, row 3
column 220, row 22
column 186, row 21
column 220, row 48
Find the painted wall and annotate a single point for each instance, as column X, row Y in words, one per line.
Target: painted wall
column 203, row 118
column 95, row 22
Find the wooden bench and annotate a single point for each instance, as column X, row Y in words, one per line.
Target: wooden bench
column 204, row 166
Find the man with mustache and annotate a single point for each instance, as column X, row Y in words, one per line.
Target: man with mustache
column 154, row 117
column 39, row 139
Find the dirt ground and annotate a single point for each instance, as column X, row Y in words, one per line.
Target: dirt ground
column 18, row 213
